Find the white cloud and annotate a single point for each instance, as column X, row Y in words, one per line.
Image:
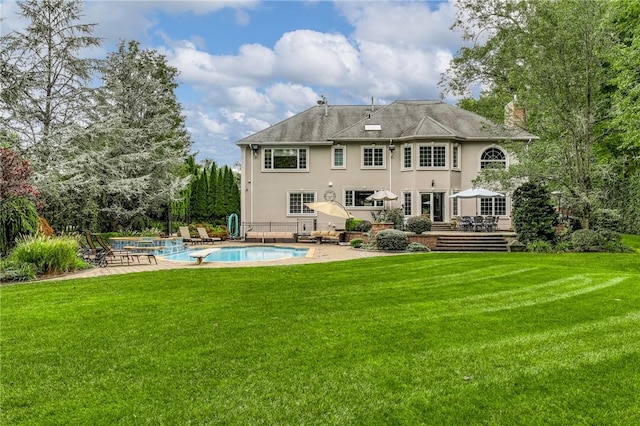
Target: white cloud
column 394, row 50
column 312, row 57
column 402, row 23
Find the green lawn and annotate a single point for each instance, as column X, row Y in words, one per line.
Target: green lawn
column 444, row 339
column 631, row 241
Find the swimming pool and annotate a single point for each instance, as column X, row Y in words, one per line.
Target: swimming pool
column 242, row 254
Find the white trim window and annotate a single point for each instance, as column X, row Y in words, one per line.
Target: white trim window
column 285, row 159
column 373, row 157
column 407, row 157
column 455, row 156
column 455, row 206
column 357, row 198
column 296, row 203
column 407, row 204
column 496, row 206
column 432, row 156
column 338, row 157
column 493, row 158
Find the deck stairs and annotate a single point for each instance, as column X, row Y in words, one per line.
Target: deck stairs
column 440, row 226
column 479, row 242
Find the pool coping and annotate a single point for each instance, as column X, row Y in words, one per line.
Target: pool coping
column 324, row 253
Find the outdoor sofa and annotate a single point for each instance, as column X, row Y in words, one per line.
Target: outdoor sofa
column 270, row 237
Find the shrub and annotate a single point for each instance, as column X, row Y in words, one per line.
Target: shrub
column 540, row 246
column 610, row 219
column 395, row 216
column 18, row 216
column 534, row 217
column 356, row 242
column 10, row 270
column 352, row 224
column 391, row 240
column 48, row 255
column 584, row 240
column 416, row 247
column 219, row 231
column 364, row 226
column 418, row 224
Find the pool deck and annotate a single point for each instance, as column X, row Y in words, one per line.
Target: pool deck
column 318, row 253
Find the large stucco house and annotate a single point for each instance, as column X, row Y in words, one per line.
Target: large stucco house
column 423, row 151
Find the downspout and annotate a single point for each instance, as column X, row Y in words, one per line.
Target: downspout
column 251, row 154
column 390, row 162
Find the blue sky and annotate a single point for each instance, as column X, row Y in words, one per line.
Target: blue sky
column 245, row 65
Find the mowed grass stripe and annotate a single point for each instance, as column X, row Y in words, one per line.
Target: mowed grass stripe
column 331, row 344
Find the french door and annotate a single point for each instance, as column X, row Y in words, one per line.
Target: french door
column 432, row 204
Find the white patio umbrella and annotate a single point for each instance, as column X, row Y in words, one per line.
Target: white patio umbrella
column 476, row 193
column 332, row 208
column 382, row 195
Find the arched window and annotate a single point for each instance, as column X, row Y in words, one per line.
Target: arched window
column 493, row 158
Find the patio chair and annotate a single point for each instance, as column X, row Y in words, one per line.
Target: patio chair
column 490, row 223
column 466, row 223
column 186, row 236
column 477, row 223
column 114, row 254
column 95, row 255
column 205, row 236
column 84, row 251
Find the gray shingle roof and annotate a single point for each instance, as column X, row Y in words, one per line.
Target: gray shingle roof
column 400, row 120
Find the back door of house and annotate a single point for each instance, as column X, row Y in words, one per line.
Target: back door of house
column 432, row 203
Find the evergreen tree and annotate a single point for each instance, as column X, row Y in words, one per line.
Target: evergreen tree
column 212, row 199
column 138, row 144
column 45, row 93
column 533, row 215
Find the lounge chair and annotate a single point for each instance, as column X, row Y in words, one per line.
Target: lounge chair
column 205, row 236
column 84, row 251
column 186, row 236
column 108, row 252
column 95, row 255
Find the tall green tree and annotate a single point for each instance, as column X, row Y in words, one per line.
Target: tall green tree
column 45, row 89
column 212, row 199
column 137, row 145
column 552, row 56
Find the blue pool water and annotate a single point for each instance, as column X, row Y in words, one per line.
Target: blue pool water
column 242, row 254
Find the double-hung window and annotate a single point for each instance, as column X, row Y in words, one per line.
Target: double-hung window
column 432, row 156
column 338, row 157
column 297, row 200
column 407, row 157
column 373, row 157
column 455, row 157
column 285, row 159
column 495, row 206
column 406, row 197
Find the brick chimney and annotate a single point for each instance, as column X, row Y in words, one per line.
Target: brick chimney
column 515, row 116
